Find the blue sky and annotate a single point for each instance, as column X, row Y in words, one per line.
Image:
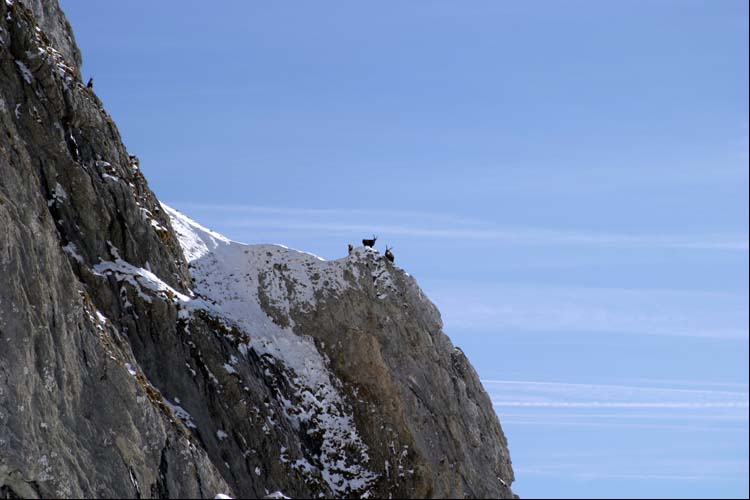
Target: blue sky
column 566, row 180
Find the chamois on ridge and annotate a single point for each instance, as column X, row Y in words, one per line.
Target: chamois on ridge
column 389, row 254
column 370, row 243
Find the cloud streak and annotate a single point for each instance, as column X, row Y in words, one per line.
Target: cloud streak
column 534, row 393
column 444, row 226
column 521, row 402
column 614, row 475
column 494, row 307
column 617, row 466
column 607, row 405
column 634, row 424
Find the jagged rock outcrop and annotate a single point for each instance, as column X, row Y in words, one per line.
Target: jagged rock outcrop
column 142, row 355
column 56, row 27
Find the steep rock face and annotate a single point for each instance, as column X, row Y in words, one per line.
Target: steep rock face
column 142, row 355
column 359, row 348
column 56, row 27
column 73, row 420
column 411, row 385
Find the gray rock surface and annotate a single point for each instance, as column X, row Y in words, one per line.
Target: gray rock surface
column 56, row 27
column 132, row 365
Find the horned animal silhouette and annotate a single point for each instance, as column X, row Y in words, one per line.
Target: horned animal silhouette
column 370, row 243
column 389, row 254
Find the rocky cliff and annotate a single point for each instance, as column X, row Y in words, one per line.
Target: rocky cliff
column 142, row 355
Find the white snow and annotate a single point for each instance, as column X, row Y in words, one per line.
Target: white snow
column 53, row 58
column 139, row 277
column 276, row 494
column 130, row 369
column 195, row 240
column 222, row 496
column 157, row 226
column 71, row 250
column 112, row 178
column 221, row 435
column 233, row 278
column 25, row 72
column 59, row 195
column 181, row 413
column 149, row 217
column 60, row 192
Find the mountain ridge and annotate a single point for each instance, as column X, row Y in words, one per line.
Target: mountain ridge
column 142, row 355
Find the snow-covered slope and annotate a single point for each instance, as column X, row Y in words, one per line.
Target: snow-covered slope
column 231, row 281
column 339, row 329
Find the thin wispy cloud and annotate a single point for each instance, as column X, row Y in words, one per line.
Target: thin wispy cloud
column 641, row 467
column 586, row 405
column 600, row 404
column 613, row 475
column 642, row 417
column 440, row 226
column 494, row 307
column 325, row 213
column 659, row 477
column 741, row 386
column 513, row 425
column 572, row 394
column 626, row 415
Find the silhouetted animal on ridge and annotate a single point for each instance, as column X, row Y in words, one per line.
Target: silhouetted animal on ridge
column 389, row 254
column 90, row 85
column 370, row 243
column 351, row 248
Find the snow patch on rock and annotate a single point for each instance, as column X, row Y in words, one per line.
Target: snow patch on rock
column 139, row 278
column 25, row 72
column 181, row 413
column 241, row 283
